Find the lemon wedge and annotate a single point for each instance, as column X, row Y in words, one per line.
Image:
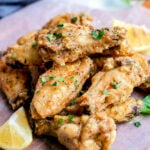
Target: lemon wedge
column 138, row 37
column 16, row 133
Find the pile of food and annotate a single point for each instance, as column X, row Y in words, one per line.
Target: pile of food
column 75, row 81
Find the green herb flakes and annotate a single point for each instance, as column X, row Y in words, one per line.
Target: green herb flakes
column 81, row 15
column 60, row 121
column 14, row 55
column 51, row 77
column 60, row 79
column 34, row 44
column 116, row 85
column 74, row 19
column 43, row 80
column 137, row 124
column 73, row 101
column 98, row 34
column 60, row 25
column 57, row 35
column 54, row 84
column 72, row 77
column 105, row 92
column 50, row 36
column 146, row 105
column 71, row 118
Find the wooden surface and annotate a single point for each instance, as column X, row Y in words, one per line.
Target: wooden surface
column 32, row 18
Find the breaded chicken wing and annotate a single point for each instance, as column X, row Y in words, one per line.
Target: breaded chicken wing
column 95, row 132
column 14, row 83
column 115, row 85
column 58, row 86
column 24, row 52
column 78, row 19
column 72, row 42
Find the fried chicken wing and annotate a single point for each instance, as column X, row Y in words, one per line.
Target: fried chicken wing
column 96, row 132
column 115, row 85
column 78, row 19
column 25, row 51
column 58, row 86
column 72, row 42
column 14, row 83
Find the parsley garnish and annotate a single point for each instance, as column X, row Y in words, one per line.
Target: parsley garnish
column 60, row 120
column 137, row 124
column 50, row 36
column 34, row 44
column 116, row 85
column 105, row 92
column 98, row 34
column 81, row 15
column 43, row 80
column 60, row 79
column 54, row 84
column 74, row 19
column 71, row 118
column 58, row 35
column 13, row 55
column 146, row 105
column 76, row 82
column 73, row 101
column 60, row 25
column 51, row 77
column 72, row 77
column 91, row 94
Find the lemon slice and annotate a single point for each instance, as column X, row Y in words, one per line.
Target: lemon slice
column 138, row 36
column 16, row 133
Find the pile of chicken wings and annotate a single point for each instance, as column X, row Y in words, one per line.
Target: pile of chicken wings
column 75, row 80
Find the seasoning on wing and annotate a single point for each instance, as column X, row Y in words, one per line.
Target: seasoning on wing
column 72, row 42
column 115, row 85
column 58, row 86
column 24, row 52
column 96, row 132
column 79, row 19
column 14, row 83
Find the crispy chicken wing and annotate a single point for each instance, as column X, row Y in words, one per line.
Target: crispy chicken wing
column 115, row 85
column 78, row 19
column 14, row 83
column 72, row 42
column 96, row 132
column 25, row 51
column 58, row 86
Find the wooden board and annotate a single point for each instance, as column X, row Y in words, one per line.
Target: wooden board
column 32, row 18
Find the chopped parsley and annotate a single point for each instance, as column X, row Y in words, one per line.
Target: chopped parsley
column 105, row 92
column 54, row 84
column 146, row 105
column 72, row 77
column 60, row 79
column 71, row 118
column 73, row 101
column 98, row 35
column 76, row 82
column 91, row 94
column 60, row 25
column 57, row 35
column 116, row 85
column 13, row 55
column 60, row 120
column 51, row 77
column 43, row 80
column 34, row 44
column 50, row 36
column 137, row 124
column 81, row 15
column 74, row 19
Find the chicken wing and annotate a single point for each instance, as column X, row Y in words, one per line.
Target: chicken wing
column 24, row 52
column 72, row 42
column 96, row 132
column 58, row 86
column 14, row 83
column 78, row 19
column 115, row 85
column 146, row 85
